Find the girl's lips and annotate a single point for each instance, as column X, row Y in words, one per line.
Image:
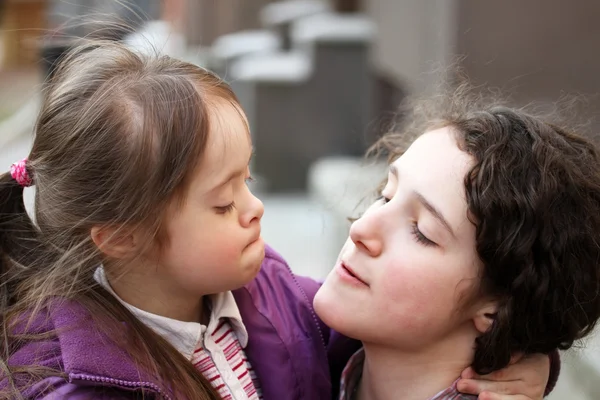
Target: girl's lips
column 255, row 241
column 348, row 275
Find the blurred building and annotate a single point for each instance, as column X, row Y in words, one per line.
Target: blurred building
column 314, row 94
column 21, row 25
column 536, row 50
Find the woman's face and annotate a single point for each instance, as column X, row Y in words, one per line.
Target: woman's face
column 402, row 277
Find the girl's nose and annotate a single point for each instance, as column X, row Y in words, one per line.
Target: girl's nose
column 254, row 211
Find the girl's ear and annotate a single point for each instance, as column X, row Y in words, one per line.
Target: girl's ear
column 115, row 242
column 485, row 316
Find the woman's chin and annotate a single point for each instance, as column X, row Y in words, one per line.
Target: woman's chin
column 332, row 312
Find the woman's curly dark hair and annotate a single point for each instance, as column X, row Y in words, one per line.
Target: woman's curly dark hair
column 534, row 196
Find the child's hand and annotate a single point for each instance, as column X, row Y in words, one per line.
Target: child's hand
column 525, row 378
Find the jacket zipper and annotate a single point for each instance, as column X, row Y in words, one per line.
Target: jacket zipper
column 119, row 382
column 312, row 311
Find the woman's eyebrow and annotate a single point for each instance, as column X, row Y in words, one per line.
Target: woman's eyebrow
column 434, row 211
column 427, row 204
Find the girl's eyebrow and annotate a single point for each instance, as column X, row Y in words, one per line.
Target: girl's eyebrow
column 233, row 174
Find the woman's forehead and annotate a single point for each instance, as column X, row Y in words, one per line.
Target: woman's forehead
column 435, row 168
column 435, row 151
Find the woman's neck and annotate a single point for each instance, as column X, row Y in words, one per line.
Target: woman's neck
column 391, row 373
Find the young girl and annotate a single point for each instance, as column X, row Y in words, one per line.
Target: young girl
column 484, row 242
column 145, row 274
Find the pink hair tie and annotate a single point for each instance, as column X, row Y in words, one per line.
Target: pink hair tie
column 19, row 173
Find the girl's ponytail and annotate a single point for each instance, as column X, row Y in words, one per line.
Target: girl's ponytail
column 17, row 232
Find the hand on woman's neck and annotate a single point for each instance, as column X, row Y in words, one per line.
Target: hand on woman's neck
column 390, row 373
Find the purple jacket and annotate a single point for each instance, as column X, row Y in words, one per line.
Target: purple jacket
column 293, row 354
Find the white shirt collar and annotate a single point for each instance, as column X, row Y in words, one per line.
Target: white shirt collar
column 184, row 336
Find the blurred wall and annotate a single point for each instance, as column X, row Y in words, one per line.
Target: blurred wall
column 537, row 50
column 412, row 36
column 208, row 19
column 548, row 46
column 21, row 22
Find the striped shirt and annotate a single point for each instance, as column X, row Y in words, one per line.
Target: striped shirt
column 221, row 359
column 349, row 384
column 216, row 349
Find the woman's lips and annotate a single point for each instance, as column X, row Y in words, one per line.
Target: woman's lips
column 348, row 275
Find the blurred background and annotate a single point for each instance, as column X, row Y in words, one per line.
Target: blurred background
column 319, row 80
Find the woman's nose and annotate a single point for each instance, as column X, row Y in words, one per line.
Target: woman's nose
column 366, row 236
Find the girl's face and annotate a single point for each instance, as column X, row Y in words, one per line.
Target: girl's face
column 214, row 241
column 410, row 261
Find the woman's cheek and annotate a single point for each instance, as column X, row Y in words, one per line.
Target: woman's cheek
column 413, row 294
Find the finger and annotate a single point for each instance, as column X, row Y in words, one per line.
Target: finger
column 501, row 375
column 468, row 373
column 516, row 357
column 496, row 396
column 478, row 386
column 523, row 363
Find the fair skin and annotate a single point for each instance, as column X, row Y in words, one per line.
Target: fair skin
column 214, row 243
column 403, row 275
column 199, row 261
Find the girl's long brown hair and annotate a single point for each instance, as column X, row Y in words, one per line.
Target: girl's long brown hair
column 116, row 138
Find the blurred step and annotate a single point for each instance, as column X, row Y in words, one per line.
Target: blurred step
column 273, row 91
column 302, row 231
column 311, row 102
column 157, row 37
column 287, row 11
column 228, row 48
column 279, row 16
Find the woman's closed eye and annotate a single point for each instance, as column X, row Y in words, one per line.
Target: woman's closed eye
column 419, row 237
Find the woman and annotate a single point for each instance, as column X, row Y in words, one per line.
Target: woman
column 484, row 243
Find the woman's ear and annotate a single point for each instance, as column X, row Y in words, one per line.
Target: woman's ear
column 485, row 316
column 115, row 242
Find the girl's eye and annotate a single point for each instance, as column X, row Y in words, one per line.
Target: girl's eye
column 419, row 237
column 225, row 209
column 249, row 179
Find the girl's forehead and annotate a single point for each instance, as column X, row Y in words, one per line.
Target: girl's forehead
column 228, row 129
column 228, row 147
column 227, row 116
